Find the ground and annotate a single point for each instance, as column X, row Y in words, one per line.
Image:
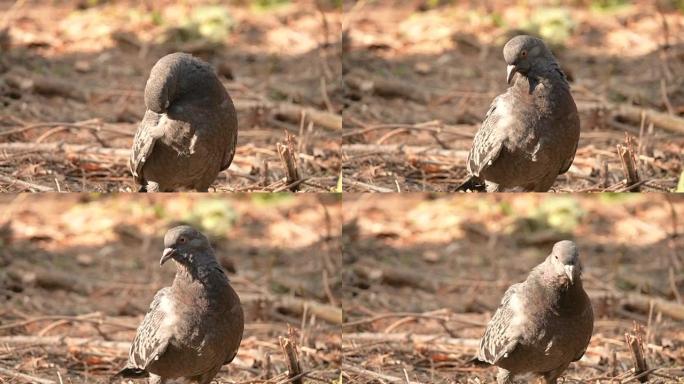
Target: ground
column 72, row 76
column 78, row 272
column 419, row 77
column 424, row 273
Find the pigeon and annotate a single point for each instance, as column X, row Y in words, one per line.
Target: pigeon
column 530, row 133
column 194, row 326
column 543, row 324
column 189, row 131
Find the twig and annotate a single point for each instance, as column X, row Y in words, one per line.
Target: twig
column 289, row 346
column 24, row 377
column 626, row 154
column 288, row 155
column 659, row 119
column 87, row 318
column 636, row 347
column 25, row 184
column 119, row 346
column 363, row 185
column 411, row 338
column 389, row 88
column 375, row 375
column 292, row 112
column 92, row 124
column 408, row 150
column 64, row 147
column 329, row 313
column 294, row 185
column 643, row 302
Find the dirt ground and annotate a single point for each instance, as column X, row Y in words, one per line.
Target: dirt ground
column 424, row 273
column 72, row 76
column 419, row 77
column 78, row 272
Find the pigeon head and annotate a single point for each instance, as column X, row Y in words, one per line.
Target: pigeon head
column 176, row 75
column 186, row 245
column 526, row 54
column 161, row 87
column 565, row 260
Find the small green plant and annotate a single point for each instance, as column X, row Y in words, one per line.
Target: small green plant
column 609, row 5
column 215, row 216
column 266, row 5
column 212, row 23
column 554, row 24
column 270, row 199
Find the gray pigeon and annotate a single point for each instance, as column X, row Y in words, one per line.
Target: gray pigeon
column 530, row 133
column 189, row 131
column 194, row 326
column 544, row 323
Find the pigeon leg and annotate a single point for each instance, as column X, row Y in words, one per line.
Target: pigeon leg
column 551, row 377
column 152, row 186
column 545, row 184
column 492, row 187
column 206, row 377
column 154, row 379
column 504, row 377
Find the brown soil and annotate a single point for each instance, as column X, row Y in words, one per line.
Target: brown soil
column 423, row 274
column 74, row 74
column 419, row 80
column 86, row 268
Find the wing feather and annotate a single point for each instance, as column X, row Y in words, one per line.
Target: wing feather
column 500, row 339
column 487, row 143
column 150, row 130
column 150, row 340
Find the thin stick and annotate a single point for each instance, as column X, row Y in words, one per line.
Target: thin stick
column 25, row 184
column 407, row 150
column 120, row 346
column 63, row 147
column 88, row 318
column 288, row 156
column 375, row 375
column 289, row 346
column 367, row 186
column 626, row 154
column 24, row 377
column 636, row 347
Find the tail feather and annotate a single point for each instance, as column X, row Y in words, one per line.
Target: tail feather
column 473, row 183
column 478, row 363
column 132, row 373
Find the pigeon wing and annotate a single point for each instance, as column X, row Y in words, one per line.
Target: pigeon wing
column 487, row 144
column 500, row 339
column 232, row 130
column 568, row 162
column 150, row 130
column 230, row 153
column 150, row 341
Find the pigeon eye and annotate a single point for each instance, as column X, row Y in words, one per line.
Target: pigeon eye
column 523, row 53
column 181, row 240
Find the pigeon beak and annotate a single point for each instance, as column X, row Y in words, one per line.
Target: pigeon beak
column 569, row 271
column 166, row 255
column 510, row 71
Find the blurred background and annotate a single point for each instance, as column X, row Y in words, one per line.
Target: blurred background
column 424, row 273
column 78, row 273
column 420, row 75
column 73, row 72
